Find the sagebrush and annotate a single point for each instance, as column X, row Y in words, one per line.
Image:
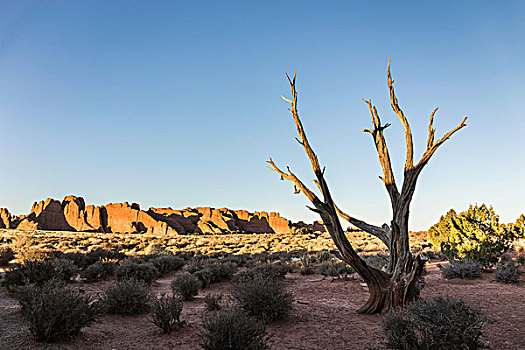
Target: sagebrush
column 55, row 312
column 233, row 330
column 127, row 297
column 434, row 324
column 166, row 312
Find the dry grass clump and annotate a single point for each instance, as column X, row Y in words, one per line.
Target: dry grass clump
column 166, row 312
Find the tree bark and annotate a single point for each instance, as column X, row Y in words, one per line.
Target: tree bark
column 387, row 292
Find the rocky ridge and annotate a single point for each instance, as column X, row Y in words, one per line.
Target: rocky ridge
column 72, row 214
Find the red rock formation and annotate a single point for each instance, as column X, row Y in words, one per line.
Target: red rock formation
column 210, row 220
column 5, row 218
column 279, row 224
column 72, row 214
column 129, row 218
column 75, row 213
column 95, row 219
column 46, row 215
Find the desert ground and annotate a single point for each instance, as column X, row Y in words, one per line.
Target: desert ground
column 324, row 310
column 324, row 317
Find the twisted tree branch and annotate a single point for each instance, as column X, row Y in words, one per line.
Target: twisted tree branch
column 431, row 146
column 326, row 208
column 382, row 233
column 379, row 232
column 409, row 164
column 382, row 151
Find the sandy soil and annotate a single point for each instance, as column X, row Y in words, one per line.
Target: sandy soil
column 324, row 317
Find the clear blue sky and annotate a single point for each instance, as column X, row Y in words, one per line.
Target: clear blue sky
column 178, row 103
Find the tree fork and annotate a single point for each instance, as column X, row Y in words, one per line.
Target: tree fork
column 399, row 284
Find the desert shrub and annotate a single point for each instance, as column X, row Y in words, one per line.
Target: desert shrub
column 167, row 263
column 97, row 271
column 35, row 254
column 14, row 276
column 238, row 259
column 225, row 270
column 194, row 266
column 521, row 259
column 186, row 285
column 475, row 234
column 263, row 297
column 79, row 259
column 155, row 249
column 187, row 256
column 324, row 256
column 399, row 331
column 129, row 269
column 215, row 272
column 434, row 324
column 301, row 231
column 333, row 268
column 24, row 245
column 23, row 240
column 376, row 261
column 233, row 330
column 206, row 276
column 283, row 257
column 213, row 301
column 127, row 297
column 54, row 312
column 306, row 263
column 286, row 267
column 83, row 260
column 258, row 259
column 36, row 272
column 6, row 255
column 507, row 273
column 104, row 254
column 265, row 271
column 466, row 269
column 25, row 294
column 166, row 312
column 65, row 269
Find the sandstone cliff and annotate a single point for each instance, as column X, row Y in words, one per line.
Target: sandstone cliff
column 5, row 218
column 211, row 220
column 73, row 215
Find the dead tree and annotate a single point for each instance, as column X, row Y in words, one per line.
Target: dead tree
column 397, row 285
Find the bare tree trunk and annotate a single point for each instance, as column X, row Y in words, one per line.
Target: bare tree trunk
column 393, row 291
column 399, row 284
